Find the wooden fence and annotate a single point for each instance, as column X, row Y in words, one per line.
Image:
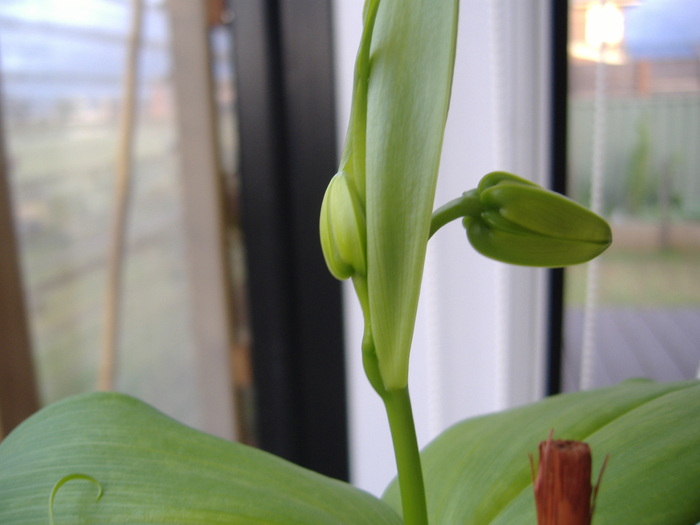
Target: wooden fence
column 652, row 155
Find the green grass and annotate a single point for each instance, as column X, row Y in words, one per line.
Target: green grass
column 641, row 279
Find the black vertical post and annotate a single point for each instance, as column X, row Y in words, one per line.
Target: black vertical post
column 559, row 90
column 283, row 54
column 307, row 56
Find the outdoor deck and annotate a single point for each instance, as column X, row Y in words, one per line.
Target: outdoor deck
column 661, row 344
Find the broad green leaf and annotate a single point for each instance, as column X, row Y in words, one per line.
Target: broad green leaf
column 478, row 471
column 154, row 470
column 412, row 57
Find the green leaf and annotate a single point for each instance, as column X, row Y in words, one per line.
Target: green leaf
column 412, row 57
column 478, row 471
column 154, row 470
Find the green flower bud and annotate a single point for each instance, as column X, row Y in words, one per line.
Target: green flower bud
column 342, row 228
column 522, row 223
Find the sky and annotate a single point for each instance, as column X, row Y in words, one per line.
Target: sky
column 663, row 29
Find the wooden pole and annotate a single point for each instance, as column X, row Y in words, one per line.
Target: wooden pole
column 18, row 390
column 115, row 262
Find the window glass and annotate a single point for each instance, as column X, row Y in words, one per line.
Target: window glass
column 634, row 116
column 62, row 67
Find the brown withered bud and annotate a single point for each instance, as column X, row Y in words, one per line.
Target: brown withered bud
column 563, row 491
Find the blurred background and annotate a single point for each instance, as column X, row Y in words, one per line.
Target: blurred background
column 634, row 110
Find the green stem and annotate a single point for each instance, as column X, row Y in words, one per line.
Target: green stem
column 467, row 205
column 356, row 137
column 403, row 435
column 369, row 353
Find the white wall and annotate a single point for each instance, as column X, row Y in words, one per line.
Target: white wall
column 464, row 361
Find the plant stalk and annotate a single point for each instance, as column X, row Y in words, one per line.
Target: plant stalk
column 465, row 206
column 403, row 435
column 563, row 491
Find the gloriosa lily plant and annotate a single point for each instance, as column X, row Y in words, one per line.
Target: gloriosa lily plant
column 108, row 458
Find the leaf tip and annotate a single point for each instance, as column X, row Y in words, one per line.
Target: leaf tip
column 65, row 479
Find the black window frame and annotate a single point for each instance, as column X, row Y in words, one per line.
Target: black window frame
column 283, row 56
column 559, row 92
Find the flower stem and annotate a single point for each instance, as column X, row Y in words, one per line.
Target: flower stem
column 403, row 435
column 465, row 206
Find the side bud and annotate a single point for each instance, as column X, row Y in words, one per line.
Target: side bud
column 522, row 223
column 342, row 228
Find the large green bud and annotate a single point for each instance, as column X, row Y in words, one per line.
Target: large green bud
column 521, row 223
column 377, row 211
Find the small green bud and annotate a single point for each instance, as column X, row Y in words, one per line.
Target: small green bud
column 522, row 223
column 342, row 228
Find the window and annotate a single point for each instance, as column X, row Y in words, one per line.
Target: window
column 234, row 145
column 63, row 65
column 634, row 129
